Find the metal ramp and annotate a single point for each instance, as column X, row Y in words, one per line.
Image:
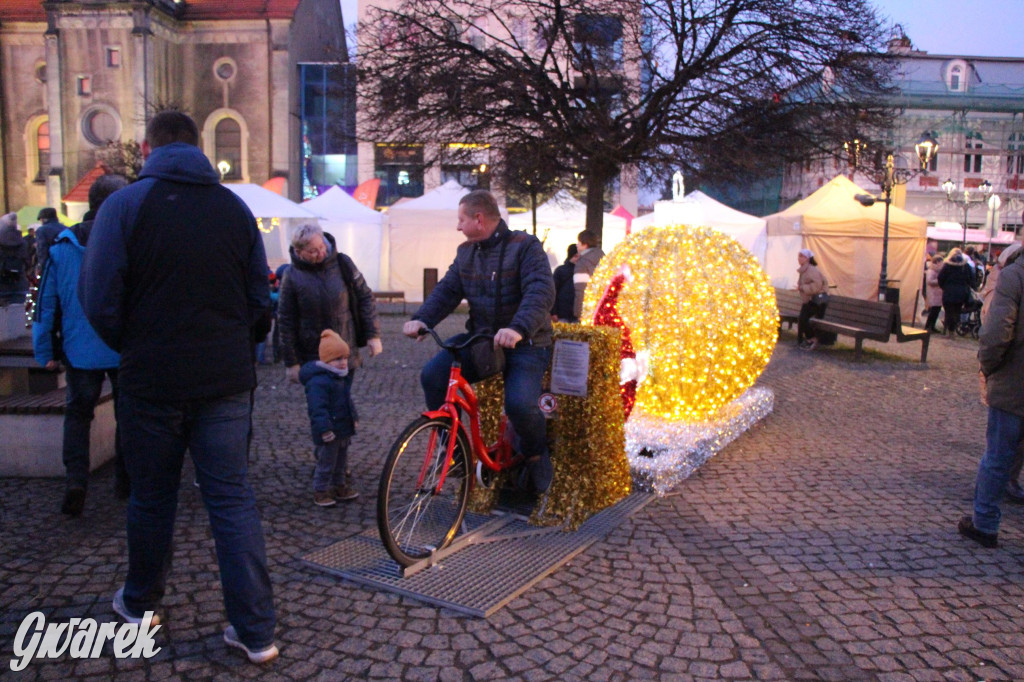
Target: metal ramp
column 504, row 557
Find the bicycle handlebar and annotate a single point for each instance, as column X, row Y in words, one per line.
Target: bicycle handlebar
column 423, row 331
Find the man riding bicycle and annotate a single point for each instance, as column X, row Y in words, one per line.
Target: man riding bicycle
column 506, row 278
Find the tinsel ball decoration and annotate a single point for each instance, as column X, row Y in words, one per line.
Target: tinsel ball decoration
column 700, row 307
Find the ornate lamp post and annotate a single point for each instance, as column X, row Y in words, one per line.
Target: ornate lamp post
column 926, row 149
column 966, row 201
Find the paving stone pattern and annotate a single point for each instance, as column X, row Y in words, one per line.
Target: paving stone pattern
column 821, row 545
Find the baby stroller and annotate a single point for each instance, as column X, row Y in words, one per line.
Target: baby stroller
column 970, row 318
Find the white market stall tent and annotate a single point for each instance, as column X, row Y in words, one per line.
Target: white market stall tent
column 276, row 217
column 421, row 235
column 846, row 239
column 356, row 228
column 560, row 219
column 699, row 209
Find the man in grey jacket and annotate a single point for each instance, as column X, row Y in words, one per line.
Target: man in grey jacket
column 1001, row 353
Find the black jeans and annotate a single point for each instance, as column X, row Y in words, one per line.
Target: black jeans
column 83, row 393
column 953, row 311
column 933, row 317
column 803, row 322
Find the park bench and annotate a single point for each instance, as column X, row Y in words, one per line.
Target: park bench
column 789, row 303
column 390, row 296
column 33, row 428
column 390, row 302
column 19, row 371
column 32, row 405
column 872, row 320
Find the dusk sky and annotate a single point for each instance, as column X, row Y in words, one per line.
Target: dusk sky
column 992, row 28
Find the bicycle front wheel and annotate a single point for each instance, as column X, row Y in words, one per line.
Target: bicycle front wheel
column 413, row 517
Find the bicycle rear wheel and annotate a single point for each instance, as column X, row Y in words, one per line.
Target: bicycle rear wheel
column 413, row 518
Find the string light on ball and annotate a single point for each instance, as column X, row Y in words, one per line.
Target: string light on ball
column 701, row 309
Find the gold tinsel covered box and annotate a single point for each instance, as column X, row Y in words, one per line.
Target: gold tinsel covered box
column 585, row 436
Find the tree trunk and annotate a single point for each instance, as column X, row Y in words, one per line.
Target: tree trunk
column 598, row 178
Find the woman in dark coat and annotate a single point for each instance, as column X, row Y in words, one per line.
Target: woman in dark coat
column 315, row 296
column 956, row 280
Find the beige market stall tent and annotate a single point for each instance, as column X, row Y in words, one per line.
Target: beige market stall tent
column 846, row 239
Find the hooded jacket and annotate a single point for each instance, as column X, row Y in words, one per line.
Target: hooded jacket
column 956, row 279
column 527, row 290
column 175, row 279
column 83, row 348
column 313, row 298
column 14, row 248
column 328, row 401
column 1001, row 345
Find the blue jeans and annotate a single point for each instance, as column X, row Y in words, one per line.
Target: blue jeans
column 524, row 372
column 83, row 393
column 216, row 432
column 331, row 459
column 1002, row 438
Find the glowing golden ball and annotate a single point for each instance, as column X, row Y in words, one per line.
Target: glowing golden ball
column 704, row 310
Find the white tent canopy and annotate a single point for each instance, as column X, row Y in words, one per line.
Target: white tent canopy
column 560, row 219
column 422, row 235
column 357, row 230
column 278, row 217
column 699, row 209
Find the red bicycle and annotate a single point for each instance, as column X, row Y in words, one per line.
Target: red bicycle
column 428, row 475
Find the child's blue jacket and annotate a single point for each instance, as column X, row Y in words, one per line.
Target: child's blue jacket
column 328, row 401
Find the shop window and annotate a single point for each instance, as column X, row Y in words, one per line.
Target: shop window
column 400, row 169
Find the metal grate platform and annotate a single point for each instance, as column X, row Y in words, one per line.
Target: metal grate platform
column 481, row 577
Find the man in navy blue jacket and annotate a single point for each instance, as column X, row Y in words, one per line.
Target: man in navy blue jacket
column 175, row 280
column 506, row 278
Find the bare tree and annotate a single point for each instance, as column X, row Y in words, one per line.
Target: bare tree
column 710, row 87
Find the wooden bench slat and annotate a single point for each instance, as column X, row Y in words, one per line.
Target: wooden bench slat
column 873, row 320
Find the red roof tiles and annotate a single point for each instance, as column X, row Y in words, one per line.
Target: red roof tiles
column 196, row 10
column 22, row 10
column 80, row 192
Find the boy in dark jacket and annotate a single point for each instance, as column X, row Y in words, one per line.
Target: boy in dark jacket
column 331, row 418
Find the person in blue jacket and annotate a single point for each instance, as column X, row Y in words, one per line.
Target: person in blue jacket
column 87, row 359
column 175, row 280
column 331, row 418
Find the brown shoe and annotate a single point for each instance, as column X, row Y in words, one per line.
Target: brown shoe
column 345, row 493
column 324, row 498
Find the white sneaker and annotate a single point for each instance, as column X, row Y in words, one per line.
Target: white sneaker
column 122, row 610
column 261, row 656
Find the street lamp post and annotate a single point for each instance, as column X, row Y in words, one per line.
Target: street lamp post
column 966, row 201
column 926, row 148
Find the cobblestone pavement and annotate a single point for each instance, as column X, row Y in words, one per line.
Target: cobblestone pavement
column 820, row 545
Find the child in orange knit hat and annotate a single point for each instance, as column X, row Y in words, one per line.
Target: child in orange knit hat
column 331, row 417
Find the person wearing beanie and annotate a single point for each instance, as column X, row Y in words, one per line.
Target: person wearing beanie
column 14, row 261
column 46, row 234
column 332, row 416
